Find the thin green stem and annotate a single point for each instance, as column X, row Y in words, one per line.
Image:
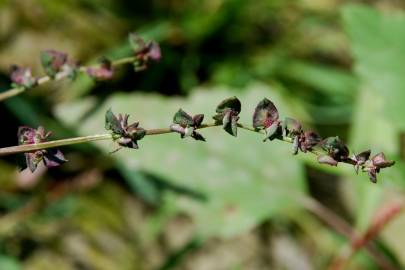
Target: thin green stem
column 11, row 93
column 61, row 75
column 52, row 144
column 57, row 143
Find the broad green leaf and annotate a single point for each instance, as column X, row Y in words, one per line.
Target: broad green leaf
column 227, row 185
column 378, row 48
column 9, row 263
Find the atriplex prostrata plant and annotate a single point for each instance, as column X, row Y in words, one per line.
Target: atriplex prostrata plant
column 57, row 66
column 266, row 120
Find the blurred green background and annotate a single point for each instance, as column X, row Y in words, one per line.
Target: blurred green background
column 229, row 203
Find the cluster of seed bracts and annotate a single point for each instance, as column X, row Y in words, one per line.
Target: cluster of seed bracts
column 50, row 157
column 126, row 135
column 186, row 125
column 266, row 118
column 333, row 149
column 144, row 51
column 227, row 115
column 55, row 62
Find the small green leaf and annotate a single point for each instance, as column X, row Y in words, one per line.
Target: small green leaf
column 9, row 263
column 112, row 123
column 335, row 148
column 183, row 119
column 232, row 103
column 52, row 61
column 136, row 42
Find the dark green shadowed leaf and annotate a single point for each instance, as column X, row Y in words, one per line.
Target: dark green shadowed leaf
column 112, row 123
column 227, row 115
column 265, row 114
column 52, row 61
column 232, row 103
column 198, row 119
column 182, row 118
column 230, row 123
column 335, row 148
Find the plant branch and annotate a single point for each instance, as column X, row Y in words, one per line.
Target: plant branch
column 61, row 75
column 107, row 136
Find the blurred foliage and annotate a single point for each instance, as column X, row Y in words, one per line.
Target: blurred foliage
column 229, row 203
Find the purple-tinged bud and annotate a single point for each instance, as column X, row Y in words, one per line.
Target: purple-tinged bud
column 22, row 77
column 326, row 159
column 335, row 148
column 144, row 51
column 227, row 115
column 186, row 125
column 103, row 72
column 266, row 117
column 360, row 159
column 126, row 135
column 308, row 140
column 52, row 62
column 50, row 157
column 372, row 166
column 265, row 114
column 154, row 51
column 380, row 161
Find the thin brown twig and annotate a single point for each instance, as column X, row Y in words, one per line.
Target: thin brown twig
column 358, row 241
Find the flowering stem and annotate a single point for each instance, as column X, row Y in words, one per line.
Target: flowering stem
column 99, row 137
column 61, row 75
column 51, row 144
column 107, row 136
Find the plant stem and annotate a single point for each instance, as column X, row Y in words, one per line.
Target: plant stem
column 52, row 144
column 99, row 137
column 61, row 75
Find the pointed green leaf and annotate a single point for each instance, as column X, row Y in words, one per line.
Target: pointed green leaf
column 182, row 118
column 232, row 103
column 112, row 123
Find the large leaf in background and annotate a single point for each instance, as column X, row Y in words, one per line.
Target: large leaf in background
column 9, row 263
column 243, row 180
column 378, row 48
